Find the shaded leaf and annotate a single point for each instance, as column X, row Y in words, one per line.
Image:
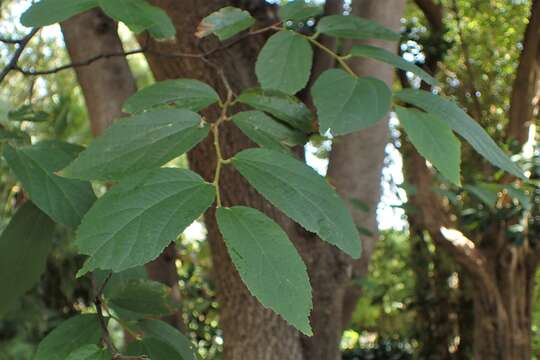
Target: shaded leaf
column 434, row 140
column 268, row 263
column 166, row 333
column 267, row 132
column 299, row 10
column 144, row 297
column 89, row 352
column 143, row 141
column 133, row 222
column 463, row 124
column 346, row 104
column 225, row 23
column 302, row 194
column 282, row 106
column 154, row 349
column 487, row 193
column 64, row 200
column 354, row 27
column 24, row 246
column 26, row 113
column 284, row 62
column 48, row 12
column 184, row 93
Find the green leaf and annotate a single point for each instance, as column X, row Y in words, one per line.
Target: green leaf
column 346, row 104
column 302, row 194
column 434, row 140
column 14, row 134
column 48, row 12
column 386, row 56
column 354, row 27
column 133, row 222
column 184, row 93
column 284, row 62
column 154, row 349
column 144, row 297
column 225, row 23
column 24, row 246
column 282, row 106
column 267, row 132
column 268, row 263
column 487, row 193
column 299, row 10
column 69, row 336
column 26, row 113
column 89, row 352
column 158, row 329
column 139, row 15
column 463, row 124
column 64, row 200
column 143, row 141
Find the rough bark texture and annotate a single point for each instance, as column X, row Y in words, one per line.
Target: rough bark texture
column 106, row 84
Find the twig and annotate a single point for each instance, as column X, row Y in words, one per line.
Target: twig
column 20, row 48
column 99, row 310
column 11, row 41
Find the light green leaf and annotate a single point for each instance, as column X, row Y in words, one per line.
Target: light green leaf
column 386, row 56
column 89, row 352
column 284, row 62
column 143, row 141
column 133, row 222
column 346, row 104
column 302, row 194
column 282, row 106
column 64, row 200
column 354, row 27
column 299, row 10
column 69, row 336
column 434, row 140
column 48, row 12
column 143, row 297
column 463, row 124
column 24, row 246
column 139, row 15
column 268, row 263
column 225, row 23
column 184, row 93
column 267, row 132
column 27, row 113
column 158, row 329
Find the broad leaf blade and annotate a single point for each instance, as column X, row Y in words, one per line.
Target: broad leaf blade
column 267, row 132
column 302, row 194
column 434, row 140
column 64, row 200
column 268, row 263
column 89, row 352
column 463, row 124
column 225, row 23
column 282, row 106
column 144, row 297
column 133, row 222
column 143, row 141
column 184, row 93
column 154, row 349
column 166, row 333
column 299, row 10
column 346, row 104
column 354, row 27
column 386, row 56
column 284, row 62
column 24, row 246
column 48, row 12
column 69, row 336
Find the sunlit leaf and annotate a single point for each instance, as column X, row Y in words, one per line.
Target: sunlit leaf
column 225, row 23
column 299, row 10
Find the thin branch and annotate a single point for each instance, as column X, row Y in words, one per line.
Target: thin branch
column 433, row 13
column 101, row 319
column 11, row 41
column 15, row 59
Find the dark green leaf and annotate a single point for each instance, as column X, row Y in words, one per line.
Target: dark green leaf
column 24, row 246
column 354, row 27
column 184, row 93
column 299, row 10
column 64, row 200
column 268, row 263
column 139, row 15
column 13, row 134
column 26, row 113
column 144, row 297
column 154, row 349
column 267, row 132
column 434, row 140
column 69, row 336
column 487, row 193
column 166, row 333
column 461, row 123
column 48, row 12
column 302, row 194
column 134, row 221
column 386, row 56
column 346, row 104
column 89, row 352
column 143, row 141
column 225, row 23
column 284, row 62
column 284, row 107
